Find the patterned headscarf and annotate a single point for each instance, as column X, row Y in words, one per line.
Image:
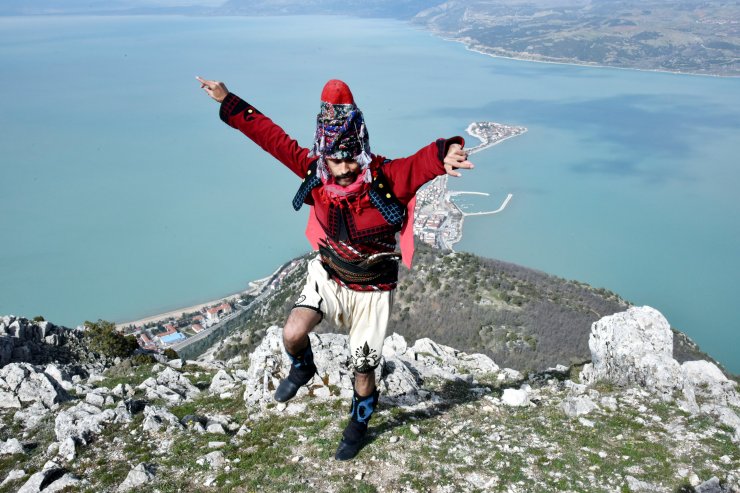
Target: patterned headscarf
column 340, row 130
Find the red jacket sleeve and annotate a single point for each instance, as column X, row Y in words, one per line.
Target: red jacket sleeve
column 407, row 175
column 244, row 117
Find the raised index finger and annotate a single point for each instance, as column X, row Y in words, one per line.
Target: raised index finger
column 203, row 81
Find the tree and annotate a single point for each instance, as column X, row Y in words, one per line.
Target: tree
column 103, row 338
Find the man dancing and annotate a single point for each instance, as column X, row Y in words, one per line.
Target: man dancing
column 359, row 201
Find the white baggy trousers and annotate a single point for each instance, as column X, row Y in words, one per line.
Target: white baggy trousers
column 364, row 313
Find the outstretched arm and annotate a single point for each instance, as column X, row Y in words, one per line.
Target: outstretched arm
column 251, row 122
column 442, row 156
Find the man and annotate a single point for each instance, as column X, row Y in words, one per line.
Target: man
column 359, row 201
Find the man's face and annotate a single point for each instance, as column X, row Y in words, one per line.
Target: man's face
column 344, row 171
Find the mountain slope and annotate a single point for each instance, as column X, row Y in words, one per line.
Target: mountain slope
column 447, row 421
column 522, row 318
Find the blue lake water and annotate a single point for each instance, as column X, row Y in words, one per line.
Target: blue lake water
column 123, row 195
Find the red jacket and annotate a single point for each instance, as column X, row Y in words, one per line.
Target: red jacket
column 364, row 224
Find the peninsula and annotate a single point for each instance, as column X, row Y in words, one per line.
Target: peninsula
column 438, row 220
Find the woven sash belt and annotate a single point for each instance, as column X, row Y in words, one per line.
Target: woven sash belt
column 381, row 268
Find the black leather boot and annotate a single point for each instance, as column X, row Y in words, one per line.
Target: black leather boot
column 302, row 370
column 353, row 438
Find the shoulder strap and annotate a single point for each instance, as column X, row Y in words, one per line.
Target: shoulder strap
column 310, row 182
column 383, row 198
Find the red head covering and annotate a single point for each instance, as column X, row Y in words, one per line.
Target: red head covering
column 337, row 92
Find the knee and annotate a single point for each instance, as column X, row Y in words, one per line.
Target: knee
column 293, row 332
column 297, row 328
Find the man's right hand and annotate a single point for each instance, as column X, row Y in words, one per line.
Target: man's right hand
column 456, row 158
column 217, row 90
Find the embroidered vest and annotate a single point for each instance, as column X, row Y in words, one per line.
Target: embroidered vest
column 381, row 197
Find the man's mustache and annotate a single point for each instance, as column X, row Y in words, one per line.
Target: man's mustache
column 346, row 175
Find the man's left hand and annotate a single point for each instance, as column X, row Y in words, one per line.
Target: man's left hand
column 456, row 158
column 215, row 89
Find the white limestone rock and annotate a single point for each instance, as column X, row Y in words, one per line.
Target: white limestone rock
column 81, row 422
column 10, row 447
column 61, row 377
column 710, row 486
column 610, row 403
column 215, row 460
column 222, row 382
column 138, row 476
column 31, row 416
column 216, row 428
column 577, row 405
column 269, row 364
column 515, row 397
column 445, row 362
column 508, row 375
column 122, row 390
column 710, row 383
column 8, row 400
column 398, row 376
column 156, row 418
column 724, row 415
column 399, row 385
column 575, row 388
column 14, row 374
column 13, row 475
column 95, row 378
column 178, row 383
column 638, row 486
column 634, row 347
column 39, row 387
column 394, row 345
column 44, row 480
column 67, row 449
column 21, row 384
column 95, row 399
column 206, row 365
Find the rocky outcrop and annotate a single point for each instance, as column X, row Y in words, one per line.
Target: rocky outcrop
column 22, row 384
column 157, row 418
column 10, row 447
column 23, row 340
column 635, row 348
column 81, row 422
column 137, row 477
column 222, row 382
column 169, row 385
column 209, row 424
column 399, row 376
column 51, row 478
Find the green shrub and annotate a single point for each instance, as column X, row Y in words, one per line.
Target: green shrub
column 142, row 359
column 103, row 338
column 170, row 353
column 39, row 318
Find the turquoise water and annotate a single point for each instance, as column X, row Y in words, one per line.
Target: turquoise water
column 123, row 195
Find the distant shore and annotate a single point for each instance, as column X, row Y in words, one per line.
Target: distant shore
column 179, row 312
column 477, row 48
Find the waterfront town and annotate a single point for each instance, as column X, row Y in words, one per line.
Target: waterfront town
column 176, row 329
column 437, row 222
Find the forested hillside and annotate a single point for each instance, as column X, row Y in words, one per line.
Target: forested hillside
column 522, row 318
